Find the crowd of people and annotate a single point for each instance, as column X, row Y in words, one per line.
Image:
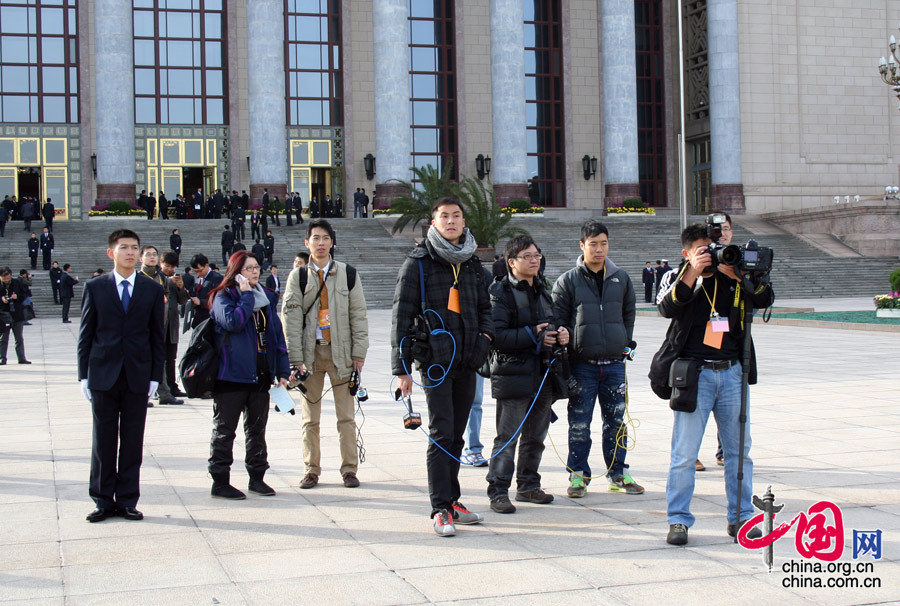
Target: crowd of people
column 452, row 321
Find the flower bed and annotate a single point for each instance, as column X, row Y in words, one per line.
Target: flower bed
column 888, row 301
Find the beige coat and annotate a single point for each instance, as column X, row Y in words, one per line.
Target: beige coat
column 349, row 326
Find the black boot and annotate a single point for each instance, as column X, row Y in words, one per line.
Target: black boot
column 259, row 487
column 222, row 489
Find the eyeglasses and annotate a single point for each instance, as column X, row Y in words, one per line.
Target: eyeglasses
column 151, row 254
column 536, row 257
column 726, row 228
column 251, row 268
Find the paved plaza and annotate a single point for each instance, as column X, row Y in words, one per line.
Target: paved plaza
column 826, row 427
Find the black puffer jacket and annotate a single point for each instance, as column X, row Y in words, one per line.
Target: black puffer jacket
column 600, row 327
column 516, row 369
column 467, row 327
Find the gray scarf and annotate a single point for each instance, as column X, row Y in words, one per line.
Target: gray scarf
column 260, row 299
column 449, row 252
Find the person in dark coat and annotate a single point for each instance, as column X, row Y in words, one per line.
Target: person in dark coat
column 205, row 280
column 252, row 355
column 259, row 251
column 254, row 225
column 11, row 302
column 523, row 313
column 298, row 207
column 55, row 278
column 175, row 242
column 49, row 211
column 238, row 218
column 648, row 278
column 26, row 280
column 176, row 296
column 227, row 244
column 34, row 246
column 269, row 245
column 27, row 213
column 328, row 207
column 314, row 208
column 197, row 205
column 456, row 292
column 121, row 353
column 67, row 291
column 659, row 274
column 151, row 206
column 47, row 245
column 498, row 268
column 163, row 206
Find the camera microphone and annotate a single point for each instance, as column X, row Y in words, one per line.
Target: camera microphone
column 628, row 352
column 411, row 420
column 353, row 382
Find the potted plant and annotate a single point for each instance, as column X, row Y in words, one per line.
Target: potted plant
column 484, row 218
column 415, row 207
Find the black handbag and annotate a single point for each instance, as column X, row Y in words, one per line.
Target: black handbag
column 684, row 375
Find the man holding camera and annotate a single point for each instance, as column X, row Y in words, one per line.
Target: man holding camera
column 522, row 310
column 327, row 332
column 442, row 286
column 595, row 301
column 705, row 300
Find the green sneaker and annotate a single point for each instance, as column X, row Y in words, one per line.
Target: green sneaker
column 577, row 486
column 625, row 483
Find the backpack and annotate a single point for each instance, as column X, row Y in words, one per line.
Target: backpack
column 303, row 278
column 200, row 363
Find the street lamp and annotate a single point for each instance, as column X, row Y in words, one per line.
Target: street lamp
column 369, row 165
column 589, row 166
column 94, row 164
column 888, row 69
column 482, row 165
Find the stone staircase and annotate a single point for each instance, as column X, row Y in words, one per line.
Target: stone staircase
column 801, row 271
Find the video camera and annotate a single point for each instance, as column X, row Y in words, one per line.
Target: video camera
column 556, row 358
column 751, row 257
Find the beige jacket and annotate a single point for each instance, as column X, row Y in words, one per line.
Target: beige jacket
column 347, row 311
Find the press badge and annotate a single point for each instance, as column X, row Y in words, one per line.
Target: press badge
column 712, row 338
column 453, row 300
column 719, row 324
column 324, row 319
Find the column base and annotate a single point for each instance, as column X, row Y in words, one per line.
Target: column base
column 728, row 197
column 386, row 193
column 614, row 194
column 110, row 192
column 504, row 193
column 275, row 189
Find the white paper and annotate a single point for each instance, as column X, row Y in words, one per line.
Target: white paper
column 280, row 397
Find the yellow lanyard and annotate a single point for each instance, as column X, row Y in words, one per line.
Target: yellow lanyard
column 712, row 302
column 455, row 269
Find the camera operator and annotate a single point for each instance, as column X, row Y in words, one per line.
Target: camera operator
column 705, row 302
column 522, row 311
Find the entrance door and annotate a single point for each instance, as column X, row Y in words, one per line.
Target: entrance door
column 30, row 183
column 209, row 180
column 192, row 179
column 320, row 183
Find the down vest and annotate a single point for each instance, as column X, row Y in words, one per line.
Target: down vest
column 600, row 328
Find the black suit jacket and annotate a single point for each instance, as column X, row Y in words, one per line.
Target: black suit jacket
column 270, row 284
column 201, row 312
column 111, row 339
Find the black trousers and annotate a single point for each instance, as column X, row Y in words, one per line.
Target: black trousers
column 254, row 231
column 226, row 253
column 16, row 330
column 48, row 223
column 448, row 410
column 510, row 413
column 237, row 228
column 227, row 409
column 118, row 445
column 171, row 355
column 648, row 291
column 2, row 229
column 55, row 287
column 66, row 301
column 33, row 261
column 299, row 212
column 46, row 258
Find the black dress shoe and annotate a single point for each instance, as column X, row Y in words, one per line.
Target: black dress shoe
column 149, row 404
column 177, row 393
column 24, row 362
column 99, row 514
column 130, row 513
column 171, row 401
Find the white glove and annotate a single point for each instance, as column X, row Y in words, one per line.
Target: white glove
column 85, row 390
column 153, row 386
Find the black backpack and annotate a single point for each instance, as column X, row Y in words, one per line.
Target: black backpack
column 200, row 363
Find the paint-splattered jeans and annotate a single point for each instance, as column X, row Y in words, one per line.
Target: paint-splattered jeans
column 606, row 383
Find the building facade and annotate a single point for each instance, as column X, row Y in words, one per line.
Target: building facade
column 571, row 104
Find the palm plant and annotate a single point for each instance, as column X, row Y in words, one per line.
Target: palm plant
column 415, row 207
column 487, row 222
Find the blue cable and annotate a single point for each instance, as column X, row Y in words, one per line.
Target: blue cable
column 446, row 371
column 513, row 437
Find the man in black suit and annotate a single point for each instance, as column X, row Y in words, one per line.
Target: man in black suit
column 238, row 217
column 55, row 279
column 269, row 244
column 67, row 291
column 47, row 245
column 648, row 278
column 264, row 220
column 206, row 280
column 121, row 352
column 49, row 212
column 254, row 225
column 288, row 207
column 163, row 206
column 151, row 206
column 298, row 207
column 33, row 246
column 273, row 282
column 197, row 205
column 227, row 244
column 4, row 217
column 175, row 243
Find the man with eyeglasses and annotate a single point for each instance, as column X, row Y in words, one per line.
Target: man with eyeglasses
column 150, row 267
column 327, row 332
column 595, row 301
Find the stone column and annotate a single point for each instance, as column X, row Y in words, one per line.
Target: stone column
column 392, row 133
column 725, row 106
column 620, row 141
column 509, row 166
column 265, row 83
column 114, row 100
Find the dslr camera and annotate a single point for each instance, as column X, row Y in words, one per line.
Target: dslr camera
column 556, row 357
column 751, row 257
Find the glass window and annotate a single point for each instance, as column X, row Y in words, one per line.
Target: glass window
column 14, row 20
column 180, row 53
column 143, row 24
column 181, row 81
column 213, row 25
column 54, row 79
column 215, row 111
column 171, row 154
column 52, row 21
column 28, row 151
column 193, row 152
column 314, row 48
column 181, row 111
column 321, row 152
column 214, row 82
column 7, row 151
column 14, row 49
column 15, row 79
column 300, row 153
column 54, row 109
column 53, row 50
column 309, row 84
column 144, row 52
column 213, row 54
column 144, row 82
column 178, row 25
column 54, row 151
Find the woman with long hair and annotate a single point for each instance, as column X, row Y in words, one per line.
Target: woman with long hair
column 252, row 355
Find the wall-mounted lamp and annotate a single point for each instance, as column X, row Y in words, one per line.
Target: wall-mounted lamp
column 248, row 162
column 482, row 165
column 94, row 164
column 369, row 165
column 589, row 165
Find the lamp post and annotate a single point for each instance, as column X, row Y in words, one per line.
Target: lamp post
column 94, row 164
column 888, row 69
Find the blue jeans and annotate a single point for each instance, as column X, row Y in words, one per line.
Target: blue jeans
column 607, row 384
column 718, row 393
column 473, row 427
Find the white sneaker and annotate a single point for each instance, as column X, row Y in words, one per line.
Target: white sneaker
column 443, row 524
column 461, row 515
